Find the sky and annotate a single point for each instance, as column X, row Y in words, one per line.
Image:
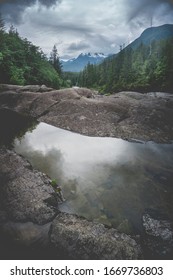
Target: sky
column 82, row 26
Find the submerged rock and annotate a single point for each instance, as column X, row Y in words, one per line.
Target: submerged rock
column 159, row 237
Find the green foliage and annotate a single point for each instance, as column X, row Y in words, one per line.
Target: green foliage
column 1, row 57
column 70, row 79
column 53, row 183
column 23, row 63
column 17, row 76
column 2, row 26
column 145, row 68
column 54, row 60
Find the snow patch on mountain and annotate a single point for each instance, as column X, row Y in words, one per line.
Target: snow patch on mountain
column 77, row 64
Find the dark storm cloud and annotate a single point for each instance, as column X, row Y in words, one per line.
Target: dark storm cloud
column 26, row 3
column 94, row 25
column 12, row 10
column 147, row 7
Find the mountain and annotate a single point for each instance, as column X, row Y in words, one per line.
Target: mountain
column 151, row 34
column 144, row 65
column 77, row 64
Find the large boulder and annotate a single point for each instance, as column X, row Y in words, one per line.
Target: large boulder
column 127, row 115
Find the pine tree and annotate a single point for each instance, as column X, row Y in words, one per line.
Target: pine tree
column 2, row 26
column 55, row 61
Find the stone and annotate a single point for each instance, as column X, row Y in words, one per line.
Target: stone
column 27, row 198
column 23, row 190
column 126, row 115
column 78, row 238
column 30, row 220
column 159, row 237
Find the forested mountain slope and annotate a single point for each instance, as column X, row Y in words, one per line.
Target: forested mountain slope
column 146, row 64
column 22, row 63
column 151, row 34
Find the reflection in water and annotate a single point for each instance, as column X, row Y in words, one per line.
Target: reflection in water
column 104, row 179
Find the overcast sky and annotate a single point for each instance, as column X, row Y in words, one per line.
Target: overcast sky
column 77, row 26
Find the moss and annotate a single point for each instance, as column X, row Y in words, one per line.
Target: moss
column 54, row 183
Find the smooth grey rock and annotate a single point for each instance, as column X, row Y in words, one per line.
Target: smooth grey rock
column 127, row 115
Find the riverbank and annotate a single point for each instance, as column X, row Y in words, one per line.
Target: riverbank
column 126, row 115
column 29, row 216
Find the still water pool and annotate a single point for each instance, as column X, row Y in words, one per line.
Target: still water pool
column 108, row 180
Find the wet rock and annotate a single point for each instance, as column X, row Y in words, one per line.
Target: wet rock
column 77, row 238
column 159, row 237
column 23, row 191
column 26, row 214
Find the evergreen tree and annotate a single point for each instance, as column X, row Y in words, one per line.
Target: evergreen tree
column 23, row 63
column 55, row 61
column 149, row 67
column 2, row 25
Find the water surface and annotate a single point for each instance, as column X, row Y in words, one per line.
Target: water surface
column 108, row 180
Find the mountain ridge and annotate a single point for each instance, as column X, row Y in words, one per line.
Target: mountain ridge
column 77, row 64
column 150, row 34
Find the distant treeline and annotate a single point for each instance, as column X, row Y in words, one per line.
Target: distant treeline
column 22, row 63
column 147, row 68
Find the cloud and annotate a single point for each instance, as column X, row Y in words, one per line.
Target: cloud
column 78, row 46
column 147, row 7
column 13, row 10
column 99, row 25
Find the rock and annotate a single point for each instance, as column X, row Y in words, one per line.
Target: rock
column 29, row 88
column 26, row 197
column 85, row 92
column 26, row 214
column 36, row 88
column 24, row 192
column 127, row 115
column 77, row 238
column 159, row 237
